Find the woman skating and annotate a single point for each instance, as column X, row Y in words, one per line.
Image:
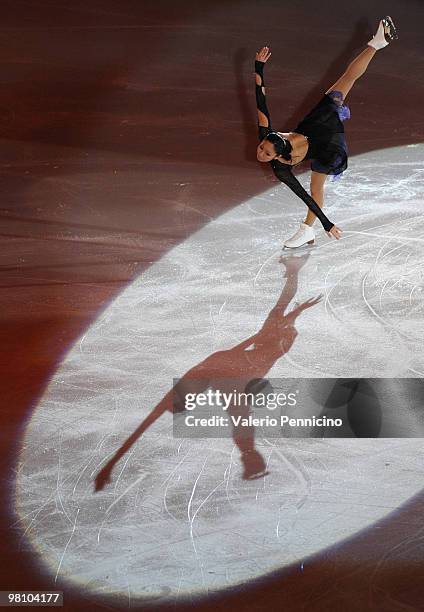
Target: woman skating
column 319, row 137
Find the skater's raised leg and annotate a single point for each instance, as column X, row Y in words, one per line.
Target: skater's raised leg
column 386, row 31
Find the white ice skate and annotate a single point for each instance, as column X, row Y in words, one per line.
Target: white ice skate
column 386, row 33
column 304, row 235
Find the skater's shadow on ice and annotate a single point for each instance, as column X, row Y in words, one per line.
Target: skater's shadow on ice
column 249, row 360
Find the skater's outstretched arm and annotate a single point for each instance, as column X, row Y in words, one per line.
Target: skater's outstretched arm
column 285, row 175
column 264, row 120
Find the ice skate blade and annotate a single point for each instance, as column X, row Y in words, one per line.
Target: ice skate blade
column 306, row 246
column 392, row 33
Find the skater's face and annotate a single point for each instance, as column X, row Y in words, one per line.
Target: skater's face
column 265, row 151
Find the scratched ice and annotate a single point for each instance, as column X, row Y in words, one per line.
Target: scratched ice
column 177, row 516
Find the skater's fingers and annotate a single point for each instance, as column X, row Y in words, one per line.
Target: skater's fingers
column 263, row 54
column 335, row 232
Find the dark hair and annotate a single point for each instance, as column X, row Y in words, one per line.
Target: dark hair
column 281, row 145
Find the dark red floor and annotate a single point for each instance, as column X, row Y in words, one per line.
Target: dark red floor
column 111, row 113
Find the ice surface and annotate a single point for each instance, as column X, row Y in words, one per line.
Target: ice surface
column 177, row 516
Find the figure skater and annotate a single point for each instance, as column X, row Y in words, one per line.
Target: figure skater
column 319, row 137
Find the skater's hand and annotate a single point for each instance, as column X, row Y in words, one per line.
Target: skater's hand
column 335, row 232
column 263, row 55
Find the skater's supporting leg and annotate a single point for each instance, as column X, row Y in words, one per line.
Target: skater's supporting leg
column 317, row 192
